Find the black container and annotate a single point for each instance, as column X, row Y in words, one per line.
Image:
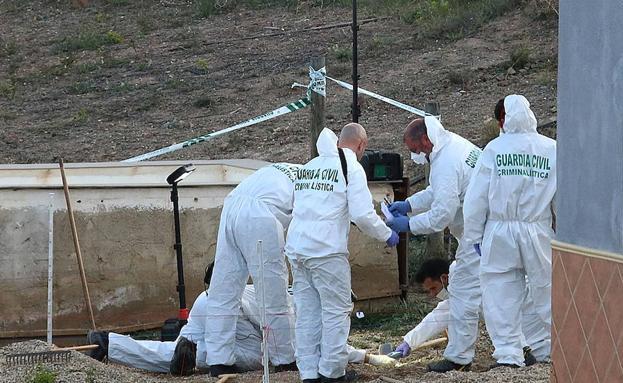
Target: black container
column 171, row 329
column 380, row 165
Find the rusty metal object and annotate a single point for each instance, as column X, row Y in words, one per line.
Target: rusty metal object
column 401, row 192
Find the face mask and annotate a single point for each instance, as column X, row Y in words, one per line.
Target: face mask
column 419, row 158
column 443, row 294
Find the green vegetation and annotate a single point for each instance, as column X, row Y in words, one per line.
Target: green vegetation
column 379, row 43
column 450, row 19
column 122, row 87
column 88, row 40
column 8, row 89
column 454, row 19
column 461, row 77
column 341, row 53
column 7, row 116
column 397, row 320
column 119, row 2
column 148, row 102
column 490, row 131
column 145, row 24
column 90, row 375
column 114, row 37
column 43, row 375
column 175, row 84
column 82, row 87
column 202, row 102
column 520, row 57
column 206, row 8
column 80, row 117
column 417, row 254
column 201, row 66
column 143, row 65
column 112, row 62
column 87, row 67
column 8, row 48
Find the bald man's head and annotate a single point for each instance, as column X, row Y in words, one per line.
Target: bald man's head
column 353, row 136
column 416, row 137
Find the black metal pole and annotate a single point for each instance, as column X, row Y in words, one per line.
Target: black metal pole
column 355, row 107
column 178, row 252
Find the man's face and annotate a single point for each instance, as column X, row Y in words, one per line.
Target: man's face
column 422, row 145
column 434, row 286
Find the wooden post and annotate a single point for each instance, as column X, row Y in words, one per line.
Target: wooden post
column 74, row 234
column 317, row 110
column 434, row 242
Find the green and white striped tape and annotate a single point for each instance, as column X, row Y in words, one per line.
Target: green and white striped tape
column 291, row 107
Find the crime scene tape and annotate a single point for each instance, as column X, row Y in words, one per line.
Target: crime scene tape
column 291, row 107
column 395, row 103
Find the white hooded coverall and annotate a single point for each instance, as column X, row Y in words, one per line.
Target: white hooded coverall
column 508, row 211
column 316, row 247
column 438, row 320
column 156, row 356
column 452, row 162
column 259, row 208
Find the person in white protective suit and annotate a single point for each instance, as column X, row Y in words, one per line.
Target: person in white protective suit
column 329, row 194
column 258, row 209
column 181, row 356
column 508, row 217
column 452, row 160
column 433, row 276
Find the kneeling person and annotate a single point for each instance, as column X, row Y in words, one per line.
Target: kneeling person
column 434, row 278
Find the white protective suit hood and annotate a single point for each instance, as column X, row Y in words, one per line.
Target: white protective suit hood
column 327, row 143
column 437, row 134
column 519, row 118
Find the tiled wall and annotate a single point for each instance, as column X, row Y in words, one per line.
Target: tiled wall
column 587, row 314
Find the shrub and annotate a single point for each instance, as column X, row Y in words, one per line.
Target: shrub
column 43, row 375
column 341, row 53
column 89, row 41
column 8, row 48
column 8, row 89
column 520, row 57
column 82, row 87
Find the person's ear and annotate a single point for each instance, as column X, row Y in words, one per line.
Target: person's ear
column 444, row 279
column 362, row 146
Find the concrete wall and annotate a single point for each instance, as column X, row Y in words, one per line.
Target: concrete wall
column 590, row 124
column 587, row 259
column 125, row 223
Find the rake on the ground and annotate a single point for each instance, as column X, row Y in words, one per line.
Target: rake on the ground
column 61, row 356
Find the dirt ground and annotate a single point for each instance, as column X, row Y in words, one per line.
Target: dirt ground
column 169, row 80
column 82, row 368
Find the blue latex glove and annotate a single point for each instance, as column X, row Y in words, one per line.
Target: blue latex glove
column 399, row 208
column 477, row 248
column 393, row 239
column 404, row 350
column 399, row 224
